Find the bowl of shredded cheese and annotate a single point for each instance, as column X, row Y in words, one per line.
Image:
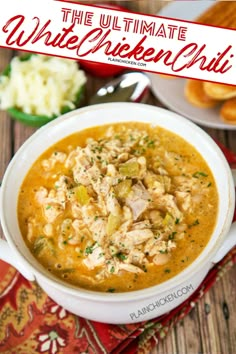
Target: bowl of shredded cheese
column 36, row 89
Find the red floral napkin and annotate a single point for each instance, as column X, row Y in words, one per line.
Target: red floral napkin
column 30, row 322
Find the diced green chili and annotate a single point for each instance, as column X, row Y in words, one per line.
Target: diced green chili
column 129, row 169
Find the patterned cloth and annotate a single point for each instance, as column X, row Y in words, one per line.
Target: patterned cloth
column 30, row 322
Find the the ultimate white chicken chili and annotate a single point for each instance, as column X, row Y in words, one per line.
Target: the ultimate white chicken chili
column 118, row 208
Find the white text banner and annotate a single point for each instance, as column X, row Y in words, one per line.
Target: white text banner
column 136, row 41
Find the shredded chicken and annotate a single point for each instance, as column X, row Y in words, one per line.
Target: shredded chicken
column 125, row 211
column 53, row 159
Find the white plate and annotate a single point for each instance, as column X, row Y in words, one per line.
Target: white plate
column 171, row 91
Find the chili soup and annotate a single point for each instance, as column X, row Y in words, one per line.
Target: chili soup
column 119, row 207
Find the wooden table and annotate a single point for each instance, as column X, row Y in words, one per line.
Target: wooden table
column 210, row 328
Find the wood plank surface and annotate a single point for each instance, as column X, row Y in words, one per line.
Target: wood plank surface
column 210, row 328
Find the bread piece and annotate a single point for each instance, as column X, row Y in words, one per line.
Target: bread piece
column 222, row 14
column 219, row 91
column 196, row 95
column 228, row 111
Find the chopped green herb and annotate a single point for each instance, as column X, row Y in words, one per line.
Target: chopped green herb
column 195, row 223
column 151, row 144
column 138, row 152
column 99, row 148
column 199, row 173
column 167, row 270
column 88, row 250
column 48, row 207
column 111, row 290
column 121, row 256
column 177, row 221
column 172, row 235
column 112, row 269
column 131, row 138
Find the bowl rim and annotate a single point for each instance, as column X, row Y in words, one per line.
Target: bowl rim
column 182, row 277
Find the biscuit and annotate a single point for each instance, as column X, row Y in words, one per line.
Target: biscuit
column 228, row 111
column 196, row 95
column 205, row 94
column 222, row 14
column 219, row 91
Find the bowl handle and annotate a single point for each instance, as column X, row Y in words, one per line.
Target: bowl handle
column 9, row 256
column 229, row 243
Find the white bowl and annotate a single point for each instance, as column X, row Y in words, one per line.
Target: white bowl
column 133, row 306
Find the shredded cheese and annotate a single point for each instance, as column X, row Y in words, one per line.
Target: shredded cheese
column 41, row 85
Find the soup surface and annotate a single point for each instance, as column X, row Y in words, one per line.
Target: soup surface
column 118, row 208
